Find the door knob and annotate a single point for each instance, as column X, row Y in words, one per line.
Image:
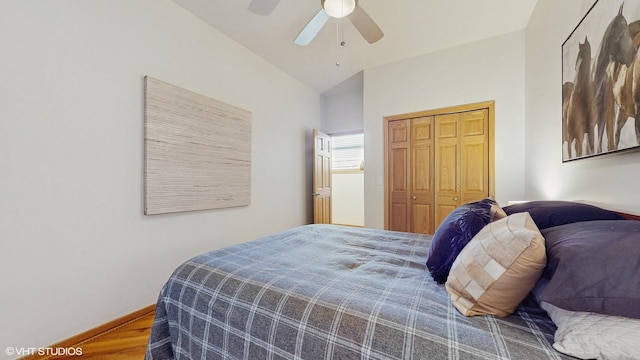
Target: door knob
column 455, row 199
column 315, row 194
column 413, row 197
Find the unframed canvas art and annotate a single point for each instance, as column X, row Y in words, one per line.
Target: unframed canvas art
column 197, row 151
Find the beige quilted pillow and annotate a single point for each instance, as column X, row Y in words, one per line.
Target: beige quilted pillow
column 498, row 268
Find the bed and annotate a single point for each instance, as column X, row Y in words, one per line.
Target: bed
column 334, row 292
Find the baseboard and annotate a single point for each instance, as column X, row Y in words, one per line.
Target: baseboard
column 77, row 340
column 356, row 226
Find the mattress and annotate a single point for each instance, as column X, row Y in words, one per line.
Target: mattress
column 330, row 292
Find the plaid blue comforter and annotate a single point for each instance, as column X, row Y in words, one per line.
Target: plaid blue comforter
column 330, row 292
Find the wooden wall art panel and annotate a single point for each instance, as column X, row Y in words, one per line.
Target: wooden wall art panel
column 197, row 151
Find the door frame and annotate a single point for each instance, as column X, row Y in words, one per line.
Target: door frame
column 489, row 105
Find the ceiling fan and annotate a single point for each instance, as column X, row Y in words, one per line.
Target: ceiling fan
column 369, row 30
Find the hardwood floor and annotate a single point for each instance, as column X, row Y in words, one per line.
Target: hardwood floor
column 126, row 340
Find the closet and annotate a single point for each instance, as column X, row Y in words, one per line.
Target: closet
column 435, row 161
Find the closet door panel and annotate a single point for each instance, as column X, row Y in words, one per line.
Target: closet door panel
column 475, row 156
column 447, row 165
column 398, row 176
column 422, row 175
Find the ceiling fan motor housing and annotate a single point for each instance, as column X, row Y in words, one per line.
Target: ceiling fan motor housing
column 339, row 8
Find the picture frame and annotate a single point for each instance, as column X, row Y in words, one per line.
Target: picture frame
column 601, row 82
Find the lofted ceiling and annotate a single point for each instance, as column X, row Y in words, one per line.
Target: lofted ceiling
column 411, row 28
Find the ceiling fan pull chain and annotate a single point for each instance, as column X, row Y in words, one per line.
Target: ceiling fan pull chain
column 339, row 39
column 342, row 43
column 338, row 43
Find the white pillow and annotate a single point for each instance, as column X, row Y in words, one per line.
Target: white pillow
column 588, row 335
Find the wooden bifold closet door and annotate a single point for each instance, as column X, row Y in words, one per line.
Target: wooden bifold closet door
column 436, row 161
column 410, row 160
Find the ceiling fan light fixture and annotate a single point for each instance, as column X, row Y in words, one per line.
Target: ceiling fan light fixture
column 339, row 8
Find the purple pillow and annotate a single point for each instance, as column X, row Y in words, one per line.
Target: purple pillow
column 553, row 213
column 457, row 229
column 594, row 266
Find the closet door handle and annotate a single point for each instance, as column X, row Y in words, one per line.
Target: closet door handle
column 413, row 197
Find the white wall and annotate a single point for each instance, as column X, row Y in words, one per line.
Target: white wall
column 491, row 69
column 343, row 112
column 611, row 179
column 76, row 249
column 347, row 198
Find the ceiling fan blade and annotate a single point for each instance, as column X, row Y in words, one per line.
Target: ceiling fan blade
column 312, row 28
column 365, row 25
column 263, row 7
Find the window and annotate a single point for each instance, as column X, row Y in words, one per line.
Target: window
column 347, row 152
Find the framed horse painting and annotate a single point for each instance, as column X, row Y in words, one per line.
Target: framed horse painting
column 601, row 81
